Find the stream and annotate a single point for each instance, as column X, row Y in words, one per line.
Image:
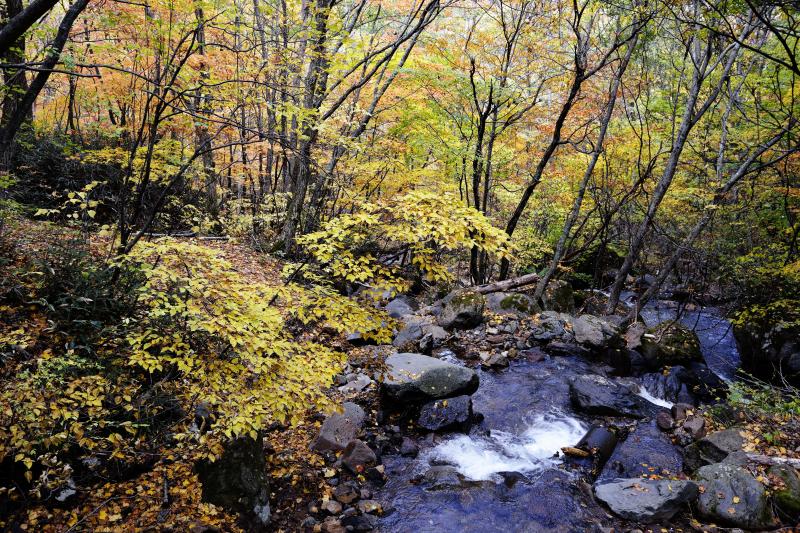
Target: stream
column 508, row 475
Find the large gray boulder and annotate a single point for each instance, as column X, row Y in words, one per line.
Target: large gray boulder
column 339, row 429
column 713, row 448
column 596, row 333
column 462, row 309
column 417, row 378
column 597, row 395
column 646, row 500
column 787, row 495
column 238, row 480
column 549, row 326
column 400, row 307
column 646, row 451
column 447, row 414
column 730, row 495
column 511, row 303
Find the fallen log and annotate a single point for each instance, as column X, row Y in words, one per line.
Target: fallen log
column 508, row 284
column 774, row 461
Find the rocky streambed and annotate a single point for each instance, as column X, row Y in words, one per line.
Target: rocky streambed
column 521, row 420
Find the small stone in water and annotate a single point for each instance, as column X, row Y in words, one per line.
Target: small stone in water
column 665, row 421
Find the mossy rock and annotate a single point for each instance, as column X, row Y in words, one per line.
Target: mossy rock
column 787, row 498
column 511, row 303
column 462, row 309
column 670, row 345
column 559, row 296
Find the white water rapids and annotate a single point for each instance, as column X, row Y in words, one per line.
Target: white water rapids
column 482, row 458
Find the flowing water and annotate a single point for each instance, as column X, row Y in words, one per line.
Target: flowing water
column 509, row 476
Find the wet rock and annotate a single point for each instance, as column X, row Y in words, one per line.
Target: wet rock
column 558, row 296
column 548, row 326
column 596, row 333
column 346, row 493
column 566, row 348
column 495, row 361
column 646, row 500
column 442, row 477
column 357, row 456
column 400, row 307
column 731, row 495
column 364, row 522
column 670, row 345
column 597, row 395
column 238, row 480
column 664, row 421
column 667, row 385
column 412, row 377
column 463, row 309
column 645, row 452
column 695, row 426
column 633, row 335
column 704, row 384
column 409, row 448
column 713, row 448
column 447, row 414
column 512, row 478
column 680, row 411
column 339, row 429
column 787, row 495
column 510, row 303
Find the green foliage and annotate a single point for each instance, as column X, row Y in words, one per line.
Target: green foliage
column 755, row 395
column 768, row 284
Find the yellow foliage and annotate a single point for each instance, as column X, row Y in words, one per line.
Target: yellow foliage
column 414, row 229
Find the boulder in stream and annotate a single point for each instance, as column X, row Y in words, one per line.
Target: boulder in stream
column 596, row 333
column 417, row 378
column 597, row 395
column 447, row 414
column 645, row 452
column 731, row 495
column 646, row 500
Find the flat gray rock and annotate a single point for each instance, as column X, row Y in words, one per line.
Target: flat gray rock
column 339, row 429
column 646, row 500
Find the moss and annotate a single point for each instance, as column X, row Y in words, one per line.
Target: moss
column 517, row 302
column 787, row 499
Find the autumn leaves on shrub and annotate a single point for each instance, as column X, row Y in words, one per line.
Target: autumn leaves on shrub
column 137, row 343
